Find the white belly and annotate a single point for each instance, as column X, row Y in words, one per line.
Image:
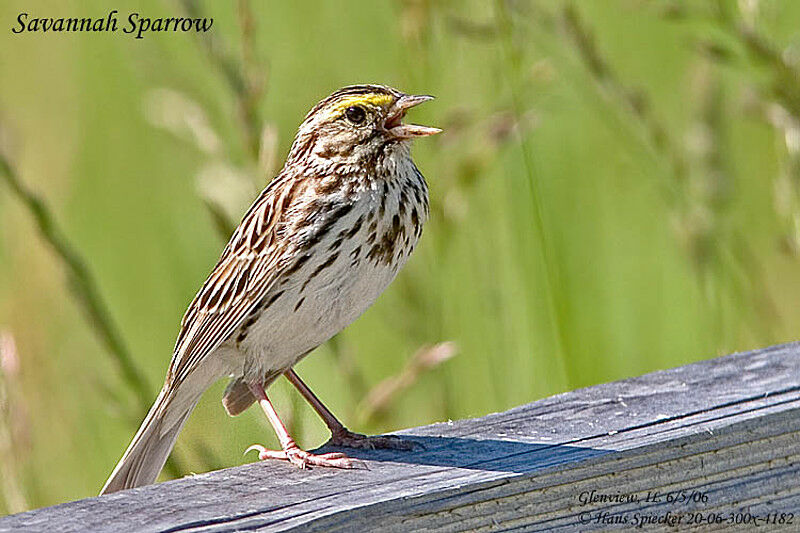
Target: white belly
column 331, row 301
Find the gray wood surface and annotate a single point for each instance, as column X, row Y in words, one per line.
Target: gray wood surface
column 717, row 441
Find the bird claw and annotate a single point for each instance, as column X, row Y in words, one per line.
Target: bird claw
column 255, row 447
column 303, row 459
column 348, row 439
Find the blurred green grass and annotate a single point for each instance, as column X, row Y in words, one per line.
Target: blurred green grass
column 654, row 251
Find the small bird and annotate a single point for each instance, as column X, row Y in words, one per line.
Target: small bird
column 314, row 251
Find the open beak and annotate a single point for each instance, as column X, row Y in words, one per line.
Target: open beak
column 394, row 123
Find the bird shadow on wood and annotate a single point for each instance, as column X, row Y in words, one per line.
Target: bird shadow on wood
column 475, row 454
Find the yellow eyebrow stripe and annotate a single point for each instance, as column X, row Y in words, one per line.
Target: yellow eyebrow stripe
column 370, row 100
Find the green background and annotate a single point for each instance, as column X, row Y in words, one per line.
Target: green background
column 616, row 191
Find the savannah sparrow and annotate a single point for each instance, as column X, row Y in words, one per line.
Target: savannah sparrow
column 313, row 252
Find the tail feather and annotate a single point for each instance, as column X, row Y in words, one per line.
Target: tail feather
column 237, row 397
column 150, row 447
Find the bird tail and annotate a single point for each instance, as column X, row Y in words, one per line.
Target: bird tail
column 150, row 447
column 237, row 397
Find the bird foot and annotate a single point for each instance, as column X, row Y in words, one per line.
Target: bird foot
column 303, row 459
column 348, row 439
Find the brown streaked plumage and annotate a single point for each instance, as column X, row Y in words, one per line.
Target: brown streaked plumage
column 315, row 249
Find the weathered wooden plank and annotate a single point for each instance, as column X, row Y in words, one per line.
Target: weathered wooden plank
column 724, row 432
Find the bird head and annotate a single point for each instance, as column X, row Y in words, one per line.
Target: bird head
column 357, row 124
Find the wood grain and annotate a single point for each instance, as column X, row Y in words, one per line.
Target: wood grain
column 723, row 434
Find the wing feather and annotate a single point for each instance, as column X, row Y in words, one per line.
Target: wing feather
column 249, row 265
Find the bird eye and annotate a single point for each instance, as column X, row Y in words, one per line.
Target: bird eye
column 356, row 115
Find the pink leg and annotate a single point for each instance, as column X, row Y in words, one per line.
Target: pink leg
column 291, row 451
column 340, row 435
